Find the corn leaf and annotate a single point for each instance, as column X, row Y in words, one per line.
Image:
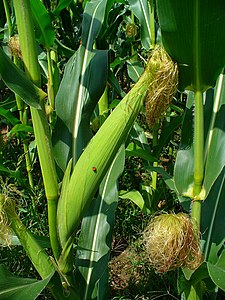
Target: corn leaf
column 193, row 36
column 17, row 81
column 185, row 155
column 217, row 271
column 213, row 220
column 141, row 10
column 215, row 143
column 96, row 232
column 134, row 150
column 8, row 115
column 135, row 69
column 16, row 288
column 36, row 253
column 134, row 196
column 62, row 4
column 44, row 30
column 81, row 87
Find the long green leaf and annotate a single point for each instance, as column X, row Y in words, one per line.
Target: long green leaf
column 96, row 231
column 8, row 115
column 134, row 196
column 192, row 34
column 17, row 81
column 16, row 288
column 75, row 101
column 135, row 69
column 81, row 87
column 185, row 156
column 213, row 219
column 141, row 10
column 135, row 150
column 217, row 271
column 215, row 143
column 44, row 30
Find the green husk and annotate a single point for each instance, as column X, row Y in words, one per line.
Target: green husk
column 79, row 189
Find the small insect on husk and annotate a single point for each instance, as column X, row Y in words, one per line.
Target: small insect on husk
column 164, row 83
column 171, row 241
column 94, row 169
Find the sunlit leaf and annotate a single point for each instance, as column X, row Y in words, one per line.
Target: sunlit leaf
column 135, row 150
column 213, row 219
column 82, row 85
column 133, row 195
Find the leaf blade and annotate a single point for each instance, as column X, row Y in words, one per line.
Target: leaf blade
column 16, row 288
column 16, row 80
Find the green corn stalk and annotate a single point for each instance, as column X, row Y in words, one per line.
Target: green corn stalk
column 199, row 68
column 20, row 106
column 7, row 13
column 41, row 128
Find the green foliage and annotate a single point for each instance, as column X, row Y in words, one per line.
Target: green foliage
column 18, row 83
column 84, row 136
column 192, row 24
column 12, row 287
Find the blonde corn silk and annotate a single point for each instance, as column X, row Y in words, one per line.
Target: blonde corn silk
column 8, row 195
column 5, row 229
column 171, row 241
column 164, row 82
column 14, row 46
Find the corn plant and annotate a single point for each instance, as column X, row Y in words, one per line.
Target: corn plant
column 191, row 34
column 80, row 170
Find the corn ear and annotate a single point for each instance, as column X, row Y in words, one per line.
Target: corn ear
column 95, row 160
column 80, row 188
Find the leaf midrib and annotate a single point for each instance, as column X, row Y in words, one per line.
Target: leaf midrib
column 81, row 90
